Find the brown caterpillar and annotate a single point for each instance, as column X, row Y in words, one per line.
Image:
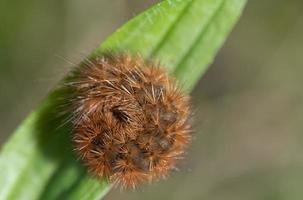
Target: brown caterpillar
column 131, row 121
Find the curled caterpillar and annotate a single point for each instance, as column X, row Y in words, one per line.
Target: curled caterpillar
column 131, row 121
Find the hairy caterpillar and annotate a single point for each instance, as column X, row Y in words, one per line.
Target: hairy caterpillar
column 131, row 121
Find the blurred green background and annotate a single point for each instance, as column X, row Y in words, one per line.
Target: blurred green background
column 248, row 142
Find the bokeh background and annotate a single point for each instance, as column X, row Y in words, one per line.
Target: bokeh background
column 248, row 142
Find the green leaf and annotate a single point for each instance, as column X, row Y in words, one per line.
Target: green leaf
column 38, row 162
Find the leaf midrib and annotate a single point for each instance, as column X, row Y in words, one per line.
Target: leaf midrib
column 199, row 36
column 170, row 30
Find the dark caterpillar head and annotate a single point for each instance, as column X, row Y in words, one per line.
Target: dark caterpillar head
column 131, row 121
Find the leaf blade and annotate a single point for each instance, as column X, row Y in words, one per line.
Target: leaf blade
column 41, row 165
